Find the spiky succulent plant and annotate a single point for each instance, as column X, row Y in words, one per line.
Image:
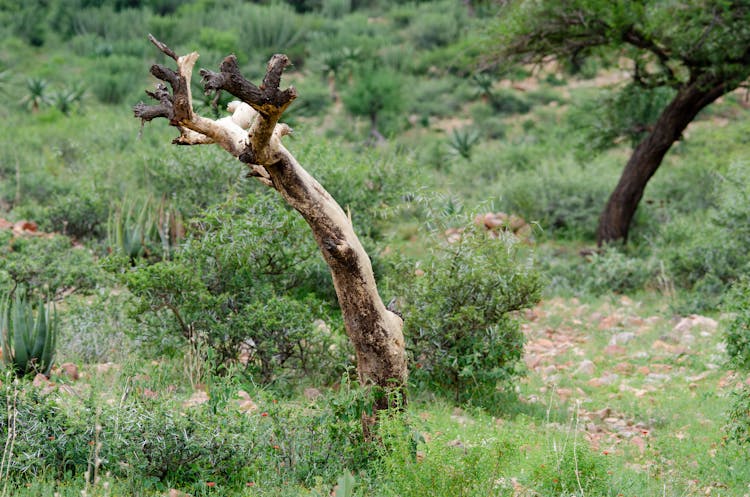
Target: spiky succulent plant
column 28, row 334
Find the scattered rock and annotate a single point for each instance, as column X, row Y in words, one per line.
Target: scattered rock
column 586, row 367
column 41, row 381
column 615, row 350
column 609, row 322
column 106, row 367
column 604, row 380
column 245, row 403
column 695, row 321
column 625, row 368
column 622, row 338
column 70, row 370
column 312, row 394
column 199, row 397
column 657, row 377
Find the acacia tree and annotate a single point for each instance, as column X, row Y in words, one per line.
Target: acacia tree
column 253, row 135
column 698, row 48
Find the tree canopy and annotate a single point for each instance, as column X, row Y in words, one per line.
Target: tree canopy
column 699, row 48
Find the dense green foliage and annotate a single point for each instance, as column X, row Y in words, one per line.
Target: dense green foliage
column 461, row 334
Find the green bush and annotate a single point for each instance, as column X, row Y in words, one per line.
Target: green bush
column 80, row 215
column 565, row 198
column 462, row 336
column 375, row 94
column 433, row 27
column 614, row 270
column 47, row 265
column 240, row 284
column 738, row 426
column 151, row 443
column 706, row 252
column 93, row 329
column 116, row 79
column 737, row 303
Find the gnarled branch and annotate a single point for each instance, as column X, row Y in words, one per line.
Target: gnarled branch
column 253, row 135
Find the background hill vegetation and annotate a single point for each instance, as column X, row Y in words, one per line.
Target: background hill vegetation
column 202, row 344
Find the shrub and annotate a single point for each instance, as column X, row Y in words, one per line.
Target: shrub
column 462, row 335
column 433, row 27
column 82, row 214
column 738, row 426
column 614, row 270
column 240, row 284
column 737, row 302
column 47, row 265
column 706, row 253
column 564, row 198
column 376, row 92
column 147, row 442
column 116, row 78
column 93, row 330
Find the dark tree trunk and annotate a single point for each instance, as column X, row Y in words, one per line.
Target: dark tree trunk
column 614, row 222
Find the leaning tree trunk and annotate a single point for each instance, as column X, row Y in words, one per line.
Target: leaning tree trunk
column 615, row 220
column 253, row 135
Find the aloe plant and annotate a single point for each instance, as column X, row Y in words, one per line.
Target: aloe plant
column 130, row 229
column 149, row 229
column 27, row 338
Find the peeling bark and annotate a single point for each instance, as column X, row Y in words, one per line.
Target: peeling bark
column 375, row 331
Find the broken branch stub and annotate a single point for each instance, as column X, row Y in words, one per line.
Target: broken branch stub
column 375, row 331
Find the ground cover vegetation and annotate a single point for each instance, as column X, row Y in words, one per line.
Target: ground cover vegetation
column 170, row 328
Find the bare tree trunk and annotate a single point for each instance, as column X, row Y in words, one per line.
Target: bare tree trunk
column 253, row 135
column 614, row 222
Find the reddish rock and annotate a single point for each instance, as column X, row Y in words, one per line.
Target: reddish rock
column 70, row 370
column 614, row 350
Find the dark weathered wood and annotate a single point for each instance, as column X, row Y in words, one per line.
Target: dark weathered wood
column 614, row 222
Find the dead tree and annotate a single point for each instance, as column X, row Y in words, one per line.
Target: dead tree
column 253, row 135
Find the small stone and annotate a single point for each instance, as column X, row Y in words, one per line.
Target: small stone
column 624, row 368
column 615, row 350
column 622, row 338
column 41, row 381
column 70, row 370
column 549, row 370
column 586, row 367
column 606, row 379
column 312, row 394
column 564, row 393
column 106, row 367
column 603, row 413
column 245, row 403
column 199, row 397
